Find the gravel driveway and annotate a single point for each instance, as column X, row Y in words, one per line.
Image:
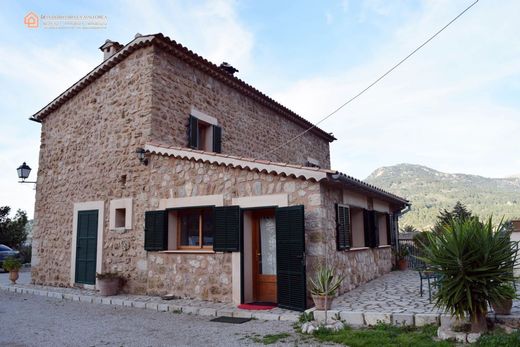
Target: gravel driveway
column 27, row 320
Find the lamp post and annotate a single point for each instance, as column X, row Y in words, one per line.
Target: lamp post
column 23, row 172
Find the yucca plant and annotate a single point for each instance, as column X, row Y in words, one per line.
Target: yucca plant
column 475, row 262
column 325, row 282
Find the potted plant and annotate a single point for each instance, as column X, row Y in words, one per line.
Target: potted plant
column 503, row 306
column 12, row 265
column 324, row 286
column 475, row 260
column 109, row 283
column 401, row 254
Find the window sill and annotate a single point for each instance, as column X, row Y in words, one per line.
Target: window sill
column 189, row 251
column 385, row 246
column 358, row 249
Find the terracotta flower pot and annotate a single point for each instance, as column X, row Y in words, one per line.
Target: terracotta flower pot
column 108, row 286
column 13, row 276
column 319, row 302
column 503, row 308
column 402, row 264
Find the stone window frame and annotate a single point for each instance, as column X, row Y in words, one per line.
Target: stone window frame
column 117, row 204
column 186, row 202
column 208, row 122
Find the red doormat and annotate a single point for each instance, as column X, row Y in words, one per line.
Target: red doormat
column 257, row 306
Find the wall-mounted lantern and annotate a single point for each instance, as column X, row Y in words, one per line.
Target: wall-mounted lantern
column 23, row 173
column 141, row 154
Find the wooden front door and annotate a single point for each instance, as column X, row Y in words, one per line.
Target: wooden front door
column 264, row 256
column 86, row 247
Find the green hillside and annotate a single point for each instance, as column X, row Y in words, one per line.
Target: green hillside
column 429, row 191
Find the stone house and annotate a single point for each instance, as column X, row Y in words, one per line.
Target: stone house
column 156, row 165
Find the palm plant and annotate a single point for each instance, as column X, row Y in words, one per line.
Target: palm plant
column 475, row 262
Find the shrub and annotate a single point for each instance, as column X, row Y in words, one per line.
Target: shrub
column 11, row 263
column 325, row 282
column 475, row 262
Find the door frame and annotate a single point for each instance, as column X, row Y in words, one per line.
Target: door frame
column 87, row 206
column 255, row 228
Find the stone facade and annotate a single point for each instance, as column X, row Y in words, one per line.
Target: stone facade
column 87, row 154
column 249, row 128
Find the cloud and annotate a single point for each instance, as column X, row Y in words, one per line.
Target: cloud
column 36, row 69
column 436, row 109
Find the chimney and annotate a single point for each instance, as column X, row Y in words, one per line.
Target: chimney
column 110, row 48
column 228, row 68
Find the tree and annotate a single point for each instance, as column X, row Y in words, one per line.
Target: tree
column 458, row 212
column 12, row 231
column 475, row 263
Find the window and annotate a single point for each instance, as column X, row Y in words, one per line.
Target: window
column 204, row 136
column 120, row 214
column 384, row 229
column 195, row 228
column 120, row 217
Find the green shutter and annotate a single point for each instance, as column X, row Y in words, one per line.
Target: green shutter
column 155, row 231
column 193, row 133
column 343, row 227
column 388, row 230
column 227, row 229
column 371, row 225
column 290, row 258
column 217, row 139
column 375, row 228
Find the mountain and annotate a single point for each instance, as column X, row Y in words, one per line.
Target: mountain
column 430, row 191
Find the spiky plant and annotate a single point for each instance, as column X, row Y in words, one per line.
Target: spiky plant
column 325, row 282
column 475, row 261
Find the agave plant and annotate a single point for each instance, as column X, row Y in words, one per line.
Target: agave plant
column 475, row 262
column 325, row 282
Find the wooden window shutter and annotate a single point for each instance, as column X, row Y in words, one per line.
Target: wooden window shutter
column 343, row 227
column 388, row 229
column 217, row 139
column 371, row 227
column 291, row 272
column 193, row 133
column 375, row 228
column 227, row 229
column 155, row 231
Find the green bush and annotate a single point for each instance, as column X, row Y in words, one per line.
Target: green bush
column 11, row 264
column 475, row 262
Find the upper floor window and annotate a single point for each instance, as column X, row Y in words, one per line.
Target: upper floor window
column 204, row 136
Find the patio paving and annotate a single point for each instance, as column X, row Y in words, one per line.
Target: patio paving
column 397, row 291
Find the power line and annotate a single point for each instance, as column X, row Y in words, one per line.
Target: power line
column 373, row 83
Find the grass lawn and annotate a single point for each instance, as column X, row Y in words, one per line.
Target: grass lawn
column 384, row 335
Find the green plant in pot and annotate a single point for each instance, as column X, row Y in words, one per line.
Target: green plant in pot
column 12, row 265
column 504, row 305
column 323, row 287
column 109, row 283
column 475, row 262
column 400, row 255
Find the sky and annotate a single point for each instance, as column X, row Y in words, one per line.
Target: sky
column 454, row 106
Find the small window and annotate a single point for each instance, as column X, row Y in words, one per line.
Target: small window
column 204, row 136
column 120, row 217
column 196, row 228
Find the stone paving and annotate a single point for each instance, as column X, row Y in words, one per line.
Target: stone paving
column 397, row 291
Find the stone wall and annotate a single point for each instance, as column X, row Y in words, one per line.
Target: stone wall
column 359, row 266
column 87, row 153
column 249, row 129
column 208, row 276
